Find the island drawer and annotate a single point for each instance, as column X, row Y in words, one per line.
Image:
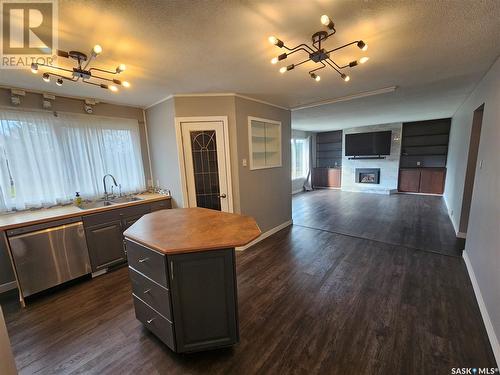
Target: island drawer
column 157, row 324
column 148, row 262
column 150, row 292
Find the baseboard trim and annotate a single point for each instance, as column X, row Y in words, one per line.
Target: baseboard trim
column 264, row 235
column 482, row 307
column 326, row 188
column 8, row 286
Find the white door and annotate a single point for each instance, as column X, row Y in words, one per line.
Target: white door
column 205, row 164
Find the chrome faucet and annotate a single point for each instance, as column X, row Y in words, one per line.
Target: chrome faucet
column 106, row 195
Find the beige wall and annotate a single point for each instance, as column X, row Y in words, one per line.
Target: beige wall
column 483, row 232
column 163, row 148
column 33, row 101
column 265, row 194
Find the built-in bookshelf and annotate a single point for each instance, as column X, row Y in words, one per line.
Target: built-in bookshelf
column 329, row 149
column 425, row 144
column 264, row 143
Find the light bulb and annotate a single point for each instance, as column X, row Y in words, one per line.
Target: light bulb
column 283, row 69
column 34, row 68
column 121, row 68
column 46, row 77
column 59, row 82
column 274, row 60
column 364, row 59
column 276, row 41
column 325, row 20
column 314, row 76
column 97, row 49
column 125, row 84
column 113, row 88
column 364, row 48
column 347, row 78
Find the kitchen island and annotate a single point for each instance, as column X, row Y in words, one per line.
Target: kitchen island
column 182, row 269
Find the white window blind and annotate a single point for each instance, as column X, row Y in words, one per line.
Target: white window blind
column 45, row 159
column 300, row 158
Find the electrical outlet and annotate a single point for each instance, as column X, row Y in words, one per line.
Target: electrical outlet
column 481, row 164
column 244, row 162
column 418, row 163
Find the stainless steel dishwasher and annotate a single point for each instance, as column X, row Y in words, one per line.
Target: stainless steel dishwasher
column 46, row 255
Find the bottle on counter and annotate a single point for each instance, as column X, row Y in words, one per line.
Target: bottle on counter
column 78, row 199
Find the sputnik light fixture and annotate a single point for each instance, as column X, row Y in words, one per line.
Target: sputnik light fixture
column 317, row 53
column 91, row 75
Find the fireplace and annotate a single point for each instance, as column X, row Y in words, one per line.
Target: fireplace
column 368, row 175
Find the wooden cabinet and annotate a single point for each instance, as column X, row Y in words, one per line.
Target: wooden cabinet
column 327, row 177
column 409, row 180
column 432, row 180
column 422, row 180
column 187, row 300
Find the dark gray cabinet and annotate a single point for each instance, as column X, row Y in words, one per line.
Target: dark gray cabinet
column 105, row 244
column 104, row 232
column 187, row 300
column 203, row 290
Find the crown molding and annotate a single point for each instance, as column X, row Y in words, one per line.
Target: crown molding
column 215, row 94
column 363, row 94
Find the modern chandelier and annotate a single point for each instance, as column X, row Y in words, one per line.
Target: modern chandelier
column 91, row 75
column 317, row 53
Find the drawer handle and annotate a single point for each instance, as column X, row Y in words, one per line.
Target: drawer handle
column 147, row 291
column 143, row 260
column 150, row 320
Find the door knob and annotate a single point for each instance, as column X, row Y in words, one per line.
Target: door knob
column 223, row 195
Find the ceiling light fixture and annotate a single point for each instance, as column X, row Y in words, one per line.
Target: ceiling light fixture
column 316, row 53
column 82, row 71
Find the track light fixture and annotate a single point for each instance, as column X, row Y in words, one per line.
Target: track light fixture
column 317, row 54
column 82, row 71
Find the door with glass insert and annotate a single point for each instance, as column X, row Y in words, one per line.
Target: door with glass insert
column 205, row 165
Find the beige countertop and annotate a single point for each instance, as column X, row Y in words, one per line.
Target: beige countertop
column 24, row 218
column 185, row 230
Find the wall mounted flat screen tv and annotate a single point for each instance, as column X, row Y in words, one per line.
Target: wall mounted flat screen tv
column 365, row 144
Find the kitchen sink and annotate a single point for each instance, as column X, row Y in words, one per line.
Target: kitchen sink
column 95, row 204
column 125, row 199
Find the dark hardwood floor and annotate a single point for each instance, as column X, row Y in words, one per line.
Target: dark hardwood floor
column 310, row 302
column 415, row 221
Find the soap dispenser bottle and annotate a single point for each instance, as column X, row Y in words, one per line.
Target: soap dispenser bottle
column 78, row 199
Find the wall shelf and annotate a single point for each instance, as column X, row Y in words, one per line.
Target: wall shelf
column 264, row 143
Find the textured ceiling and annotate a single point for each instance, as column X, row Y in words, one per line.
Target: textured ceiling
column 434, row 51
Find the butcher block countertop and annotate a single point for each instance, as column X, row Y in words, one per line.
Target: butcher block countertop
column 187, row 230
column 25, row 218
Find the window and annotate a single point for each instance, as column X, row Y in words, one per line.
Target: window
column 45, row 159
column 300, row 158
column 264, row 143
